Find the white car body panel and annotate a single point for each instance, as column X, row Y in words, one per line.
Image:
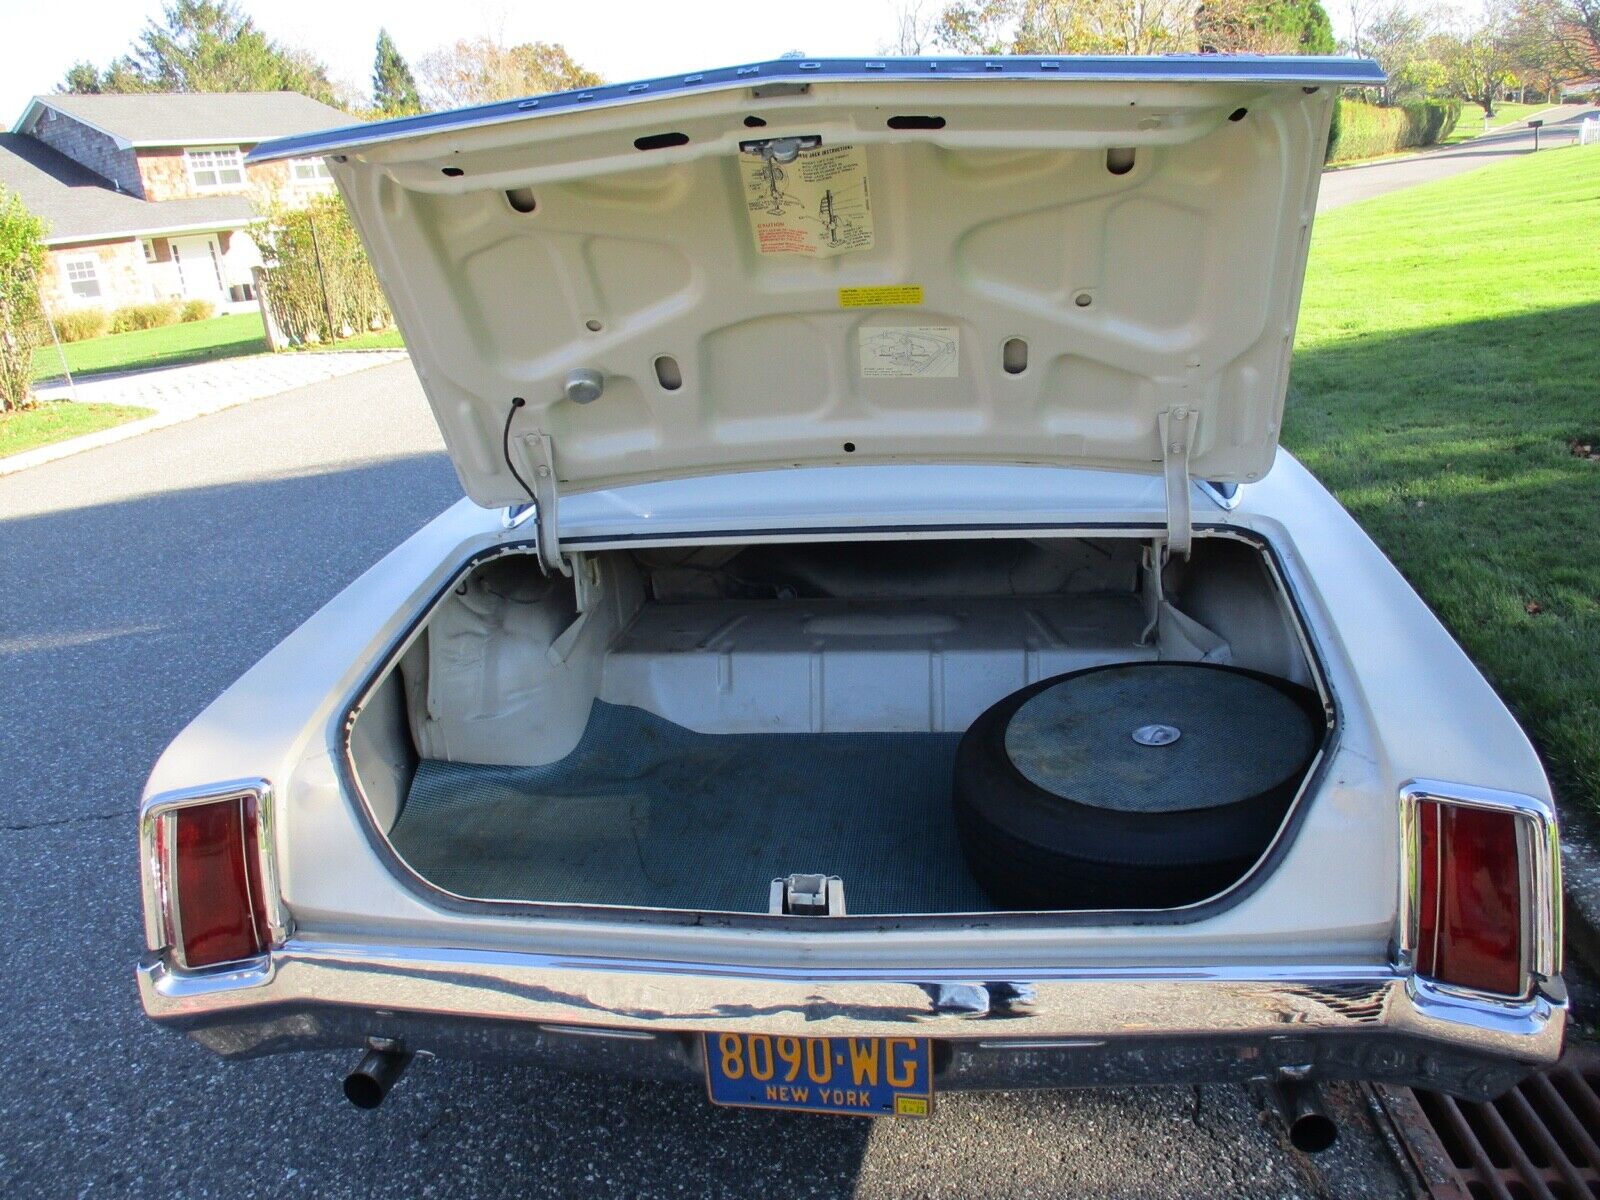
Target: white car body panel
column 1145, row 237
column 1433, row 716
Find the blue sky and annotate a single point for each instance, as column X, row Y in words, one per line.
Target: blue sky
column 622, row 39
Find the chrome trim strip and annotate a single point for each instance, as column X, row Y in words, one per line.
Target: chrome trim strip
column 387, row 981
column 1307, row 70
column 161, row 930
column 1539, row 869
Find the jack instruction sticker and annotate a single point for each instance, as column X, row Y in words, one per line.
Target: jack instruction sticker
column 901, row 295
column 816, row 205
column 910, row 351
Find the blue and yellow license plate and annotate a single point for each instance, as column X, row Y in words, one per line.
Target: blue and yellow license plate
column 864, row 1077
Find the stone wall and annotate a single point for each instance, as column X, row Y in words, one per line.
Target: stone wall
column 165, row 176
column 120, row 268
column 91, row 148
column 274, row 182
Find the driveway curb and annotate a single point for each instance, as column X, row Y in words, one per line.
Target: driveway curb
column 187, row 409
column 1580, row 878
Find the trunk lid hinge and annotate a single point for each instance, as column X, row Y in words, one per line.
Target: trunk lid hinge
column 539, row 453
column 1177, row 428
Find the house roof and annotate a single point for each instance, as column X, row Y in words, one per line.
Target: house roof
column 80, row 206
column 189, row 118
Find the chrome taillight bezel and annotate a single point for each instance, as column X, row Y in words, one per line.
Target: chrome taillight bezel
column 1539, row 876
column 157, row 844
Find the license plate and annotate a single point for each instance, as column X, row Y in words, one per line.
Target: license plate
column 863, row 1077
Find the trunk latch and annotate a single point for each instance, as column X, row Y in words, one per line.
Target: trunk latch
column 807, row 896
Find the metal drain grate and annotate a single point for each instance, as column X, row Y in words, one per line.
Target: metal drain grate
column 1537, row 1142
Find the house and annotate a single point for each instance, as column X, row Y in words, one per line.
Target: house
column 147, row 196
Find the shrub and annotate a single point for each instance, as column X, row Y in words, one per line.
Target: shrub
column 81, row 324
column 22, row 326
column 291, row 241
column 197, row 310
column 1368, row 130
column 144, row 316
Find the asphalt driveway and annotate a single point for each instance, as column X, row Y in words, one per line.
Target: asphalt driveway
column 1346, row 185
column 136, row 582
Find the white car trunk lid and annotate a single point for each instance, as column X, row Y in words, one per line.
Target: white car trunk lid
column 1010, row 260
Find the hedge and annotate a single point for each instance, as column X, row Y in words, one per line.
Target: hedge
column 317, row 269
column 1368, row 130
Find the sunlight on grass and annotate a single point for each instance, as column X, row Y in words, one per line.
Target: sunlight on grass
column 58, row 420
column 1471, row 123
column 1446, row 362
column 384, row 339
column 192, row 341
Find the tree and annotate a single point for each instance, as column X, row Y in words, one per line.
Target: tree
column 1068, row 27
column 1477, row 62
column 480, row 70
column 1396, row 36
column 205, row 46
column 915, row 25
column 394, row 88
column 21, row 311
column 1264, row 27
column 1539, row 42
column 82, row 77
column 1555, row 39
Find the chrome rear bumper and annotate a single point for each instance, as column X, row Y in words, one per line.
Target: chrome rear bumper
column 1053, row 1029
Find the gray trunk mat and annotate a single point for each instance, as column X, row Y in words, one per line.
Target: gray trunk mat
column 645, row 812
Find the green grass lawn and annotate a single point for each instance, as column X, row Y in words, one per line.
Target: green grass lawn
column 1447, row 362
column 1471, row 123
column 59, row 420
column 193, row 341
column 384, row 339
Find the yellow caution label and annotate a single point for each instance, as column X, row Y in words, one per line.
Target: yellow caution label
column 881, row 297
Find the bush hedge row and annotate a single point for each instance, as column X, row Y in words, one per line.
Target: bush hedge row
column 81, row 324
column 1367, row 130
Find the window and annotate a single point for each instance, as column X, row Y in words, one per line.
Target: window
column 308, row 170
column 211, row 169
column 83, row 277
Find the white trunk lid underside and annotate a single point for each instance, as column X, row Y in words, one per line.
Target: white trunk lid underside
column 1046, row 261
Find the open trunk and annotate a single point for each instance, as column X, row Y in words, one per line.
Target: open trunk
column 677, row 728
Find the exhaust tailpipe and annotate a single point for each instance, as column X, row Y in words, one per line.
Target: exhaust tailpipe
column 375, row 1074
column 1299, row 1104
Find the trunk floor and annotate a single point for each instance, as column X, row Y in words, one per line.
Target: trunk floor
column 645, row 812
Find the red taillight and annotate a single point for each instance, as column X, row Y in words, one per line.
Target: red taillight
column 1469, row 917
column 216, row 904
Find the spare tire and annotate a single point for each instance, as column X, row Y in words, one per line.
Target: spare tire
column 1135, row 785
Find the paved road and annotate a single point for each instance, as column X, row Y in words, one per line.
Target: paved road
column 1349, row 184
column 181, row 393
column 138, row 581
